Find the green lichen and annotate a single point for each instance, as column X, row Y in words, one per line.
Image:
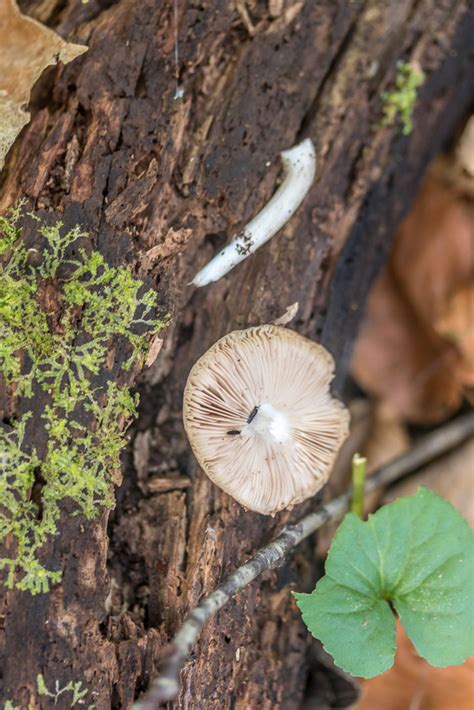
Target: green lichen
column 63, row 310
column 78, row 694
column 75, row 688
column 400, row 102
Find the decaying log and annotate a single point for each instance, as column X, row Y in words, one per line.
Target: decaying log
column 165, row 183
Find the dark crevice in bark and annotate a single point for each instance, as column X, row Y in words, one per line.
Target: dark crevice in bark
column 346, row 39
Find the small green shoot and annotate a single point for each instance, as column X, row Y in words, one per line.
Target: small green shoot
column 414, row 556
column 401, row 100
column 359, row 469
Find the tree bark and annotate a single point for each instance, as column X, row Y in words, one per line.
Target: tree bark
column 165, row 183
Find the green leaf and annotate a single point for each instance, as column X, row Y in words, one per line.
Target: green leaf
column 415, row 555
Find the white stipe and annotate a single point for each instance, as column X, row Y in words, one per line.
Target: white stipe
column 300, row 168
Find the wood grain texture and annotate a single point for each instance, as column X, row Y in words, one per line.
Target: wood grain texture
column 163, row 184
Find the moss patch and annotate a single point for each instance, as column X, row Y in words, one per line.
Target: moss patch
column 63, row 311
column 400, row 102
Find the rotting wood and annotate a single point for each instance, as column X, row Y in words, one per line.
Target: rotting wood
column 148, row 173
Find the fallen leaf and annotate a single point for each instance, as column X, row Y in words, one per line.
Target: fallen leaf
column 26, row 49
column 456, row 325
column 402, row 356
column 401, row 361
column 388, row 438
column 412, row 684
column 450, row 476
column 433, row 254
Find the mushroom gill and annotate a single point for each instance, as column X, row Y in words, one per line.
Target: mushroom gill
column 260, row 417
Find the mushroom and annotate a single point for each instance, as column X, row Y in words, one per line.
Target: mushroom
column 260, row 418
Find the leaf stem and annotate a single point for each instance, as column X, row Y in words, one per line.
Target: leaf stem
column 359, row 470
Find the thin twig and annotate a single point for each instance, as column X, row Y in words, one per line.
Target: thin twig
column 166, row 686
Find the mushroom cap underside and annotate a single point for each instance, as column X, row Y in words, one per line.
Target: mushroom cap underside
column 260, row 417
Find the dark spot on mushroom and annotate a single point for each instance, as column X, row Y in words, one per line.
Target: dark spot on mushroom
column 233, row 432
column 252, row 415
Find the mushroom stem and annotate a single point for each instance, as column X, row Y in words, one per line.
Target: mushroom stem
column 300, row 168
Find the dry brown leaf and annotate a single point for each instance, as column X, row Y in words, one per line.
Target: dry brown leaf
column 399, row 355
column 456, row 325
column 26, row 49
column 450, row 476
column 388, row 438
column 400, row 361
column 412, row 684
column 433, row 254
